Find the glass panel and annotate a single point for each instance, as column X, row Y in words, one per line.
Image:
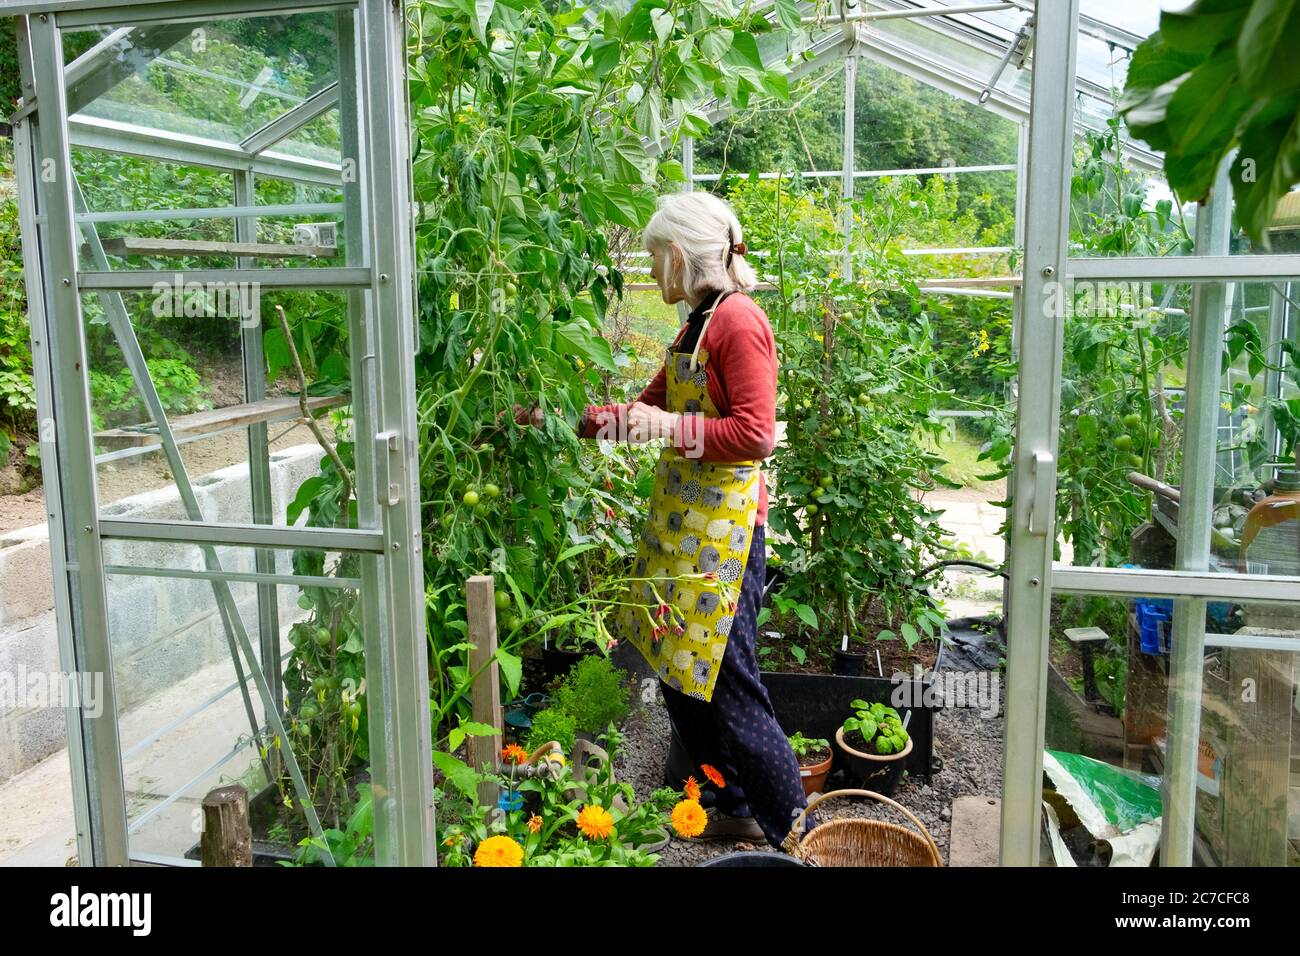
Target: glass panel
column 192, row 342
column 1124, row 395
column 1106, row 742
column 220, row 80
column 184, row 722
column 1248, row 780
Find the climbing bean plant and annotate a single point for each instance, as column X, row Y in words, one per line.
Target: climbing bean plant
column 538, row 130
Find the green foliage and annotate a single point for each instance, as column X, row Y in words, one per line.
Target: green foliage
column 552, row 800
column 17, row 390
column 530, row 123
column 354, row 845
column 899, row 123
column 115, row 400
column 593, row 694
column 858, row 379
column 809, row 746
column 1218, row 76
column 876, row 728
column 551, row 724
column 9, row 84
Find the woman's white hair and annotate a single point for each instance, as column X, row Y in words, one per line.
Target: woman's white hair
column 705, row 229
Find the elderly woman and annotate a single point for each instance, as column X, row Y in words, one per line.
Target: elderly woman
column 701, row 562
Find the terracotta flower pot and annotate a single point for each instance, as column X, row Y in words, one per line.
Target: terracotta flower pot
column 877, row 772
column 814, row 775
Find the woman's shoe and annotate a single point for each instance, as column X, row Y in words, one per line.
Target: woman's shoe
column 722, row 826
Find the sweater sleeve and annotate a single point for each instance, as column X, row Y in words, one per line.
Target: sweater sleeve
column 742, row 362
column 606, row 417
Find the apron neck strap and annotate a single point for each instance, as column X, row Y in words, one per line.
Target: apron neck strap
column 708, row 317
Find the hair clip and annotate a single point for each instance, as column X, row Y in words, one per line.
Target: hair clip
column 740, row 248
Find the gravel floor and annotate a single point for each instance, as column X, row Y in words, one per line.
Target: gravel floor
column 969, row 744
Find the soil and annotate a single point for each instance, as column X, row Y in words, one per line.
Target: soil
column 813, row 760
column 970, row 746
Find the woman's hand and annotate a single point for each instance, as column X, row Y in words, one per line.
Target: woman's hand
column 528, row 416
column 646, row 423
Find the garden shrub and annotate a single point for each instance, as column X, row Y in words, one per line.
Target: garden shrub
column 551, row 724
column 593, row 694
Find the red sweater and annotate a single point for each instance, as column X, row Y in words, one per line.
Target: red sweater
column 741, row 373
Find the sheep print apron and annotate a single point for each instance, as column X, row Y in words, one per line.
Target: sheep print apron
column 691, row 557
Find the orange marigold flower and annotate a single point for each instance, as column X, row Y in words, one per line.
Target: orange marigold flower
column 499, row 851
column 689, row 818
column 692, row 788
column 711, row 772
column 451, row 839
column 514, row 754
column 534, row 824
column 595, row 822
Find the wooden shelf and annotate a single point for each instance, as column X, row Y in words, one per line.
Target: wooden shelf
column 217, row 419
column 137, row 246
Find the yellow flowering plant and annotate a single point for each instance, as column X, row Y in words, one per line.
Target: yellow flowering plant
column 553, row 817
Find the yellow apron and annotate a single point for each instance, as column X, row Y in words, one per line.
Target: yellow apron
column 694, row 546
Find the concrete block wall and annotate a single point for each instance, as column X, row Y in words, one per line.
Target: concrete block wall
column 162, row 629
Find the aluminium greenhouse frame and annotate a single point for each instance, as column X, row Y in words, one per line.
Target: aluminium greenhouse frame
column 1033, row 575
column 378, row 281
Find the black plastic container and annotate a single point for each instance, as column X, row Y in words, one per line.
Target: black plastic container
column 848, row 664
column 817, row 704
column 557, row 663
column 753, row 858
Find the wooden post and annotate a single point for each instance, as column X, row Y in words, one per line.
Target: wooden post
column 481, row 610
column 227, row 834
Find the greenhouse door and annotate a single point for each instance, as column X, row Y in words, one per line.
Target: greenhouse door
column 215, row 204
column 1204, row 717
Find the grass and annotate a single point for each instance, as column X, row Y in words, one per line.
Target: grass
column 961, row 454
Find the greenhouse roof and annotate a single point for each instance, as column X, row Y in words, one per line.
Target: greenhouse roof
column 254, row 110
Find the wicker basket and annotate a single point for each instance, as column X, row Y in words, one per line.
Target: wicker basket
column 861, row 842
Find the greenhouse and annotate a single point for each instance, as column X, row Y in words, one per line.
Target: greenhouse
column 332, row 334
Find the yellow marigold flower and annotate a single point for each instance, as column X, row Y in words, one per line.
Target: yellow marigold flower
column 595, row 822
column 692, row 788
column 499, row 851
column 514, row 754
column 715, row 778
column 534, row 824
column 689, row 818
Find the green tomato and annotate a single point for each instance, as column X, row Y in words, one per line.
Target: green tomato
column 510, row 622
column 824, row 481
column 1122, row 443
column 836, row 432
column 322, row 637
column 1132, row 420
column 864, row 398
column 502, row 599
column 470, row 498
column 811, row 509
column 491, row 490
column 352, row 709
column 846, row 316
column 1135, row 460
column 480, row 509
column 308, row 711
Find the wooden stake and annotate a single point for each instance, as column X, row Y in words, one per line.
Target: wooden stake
column 485, row 694
column 227, row 834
